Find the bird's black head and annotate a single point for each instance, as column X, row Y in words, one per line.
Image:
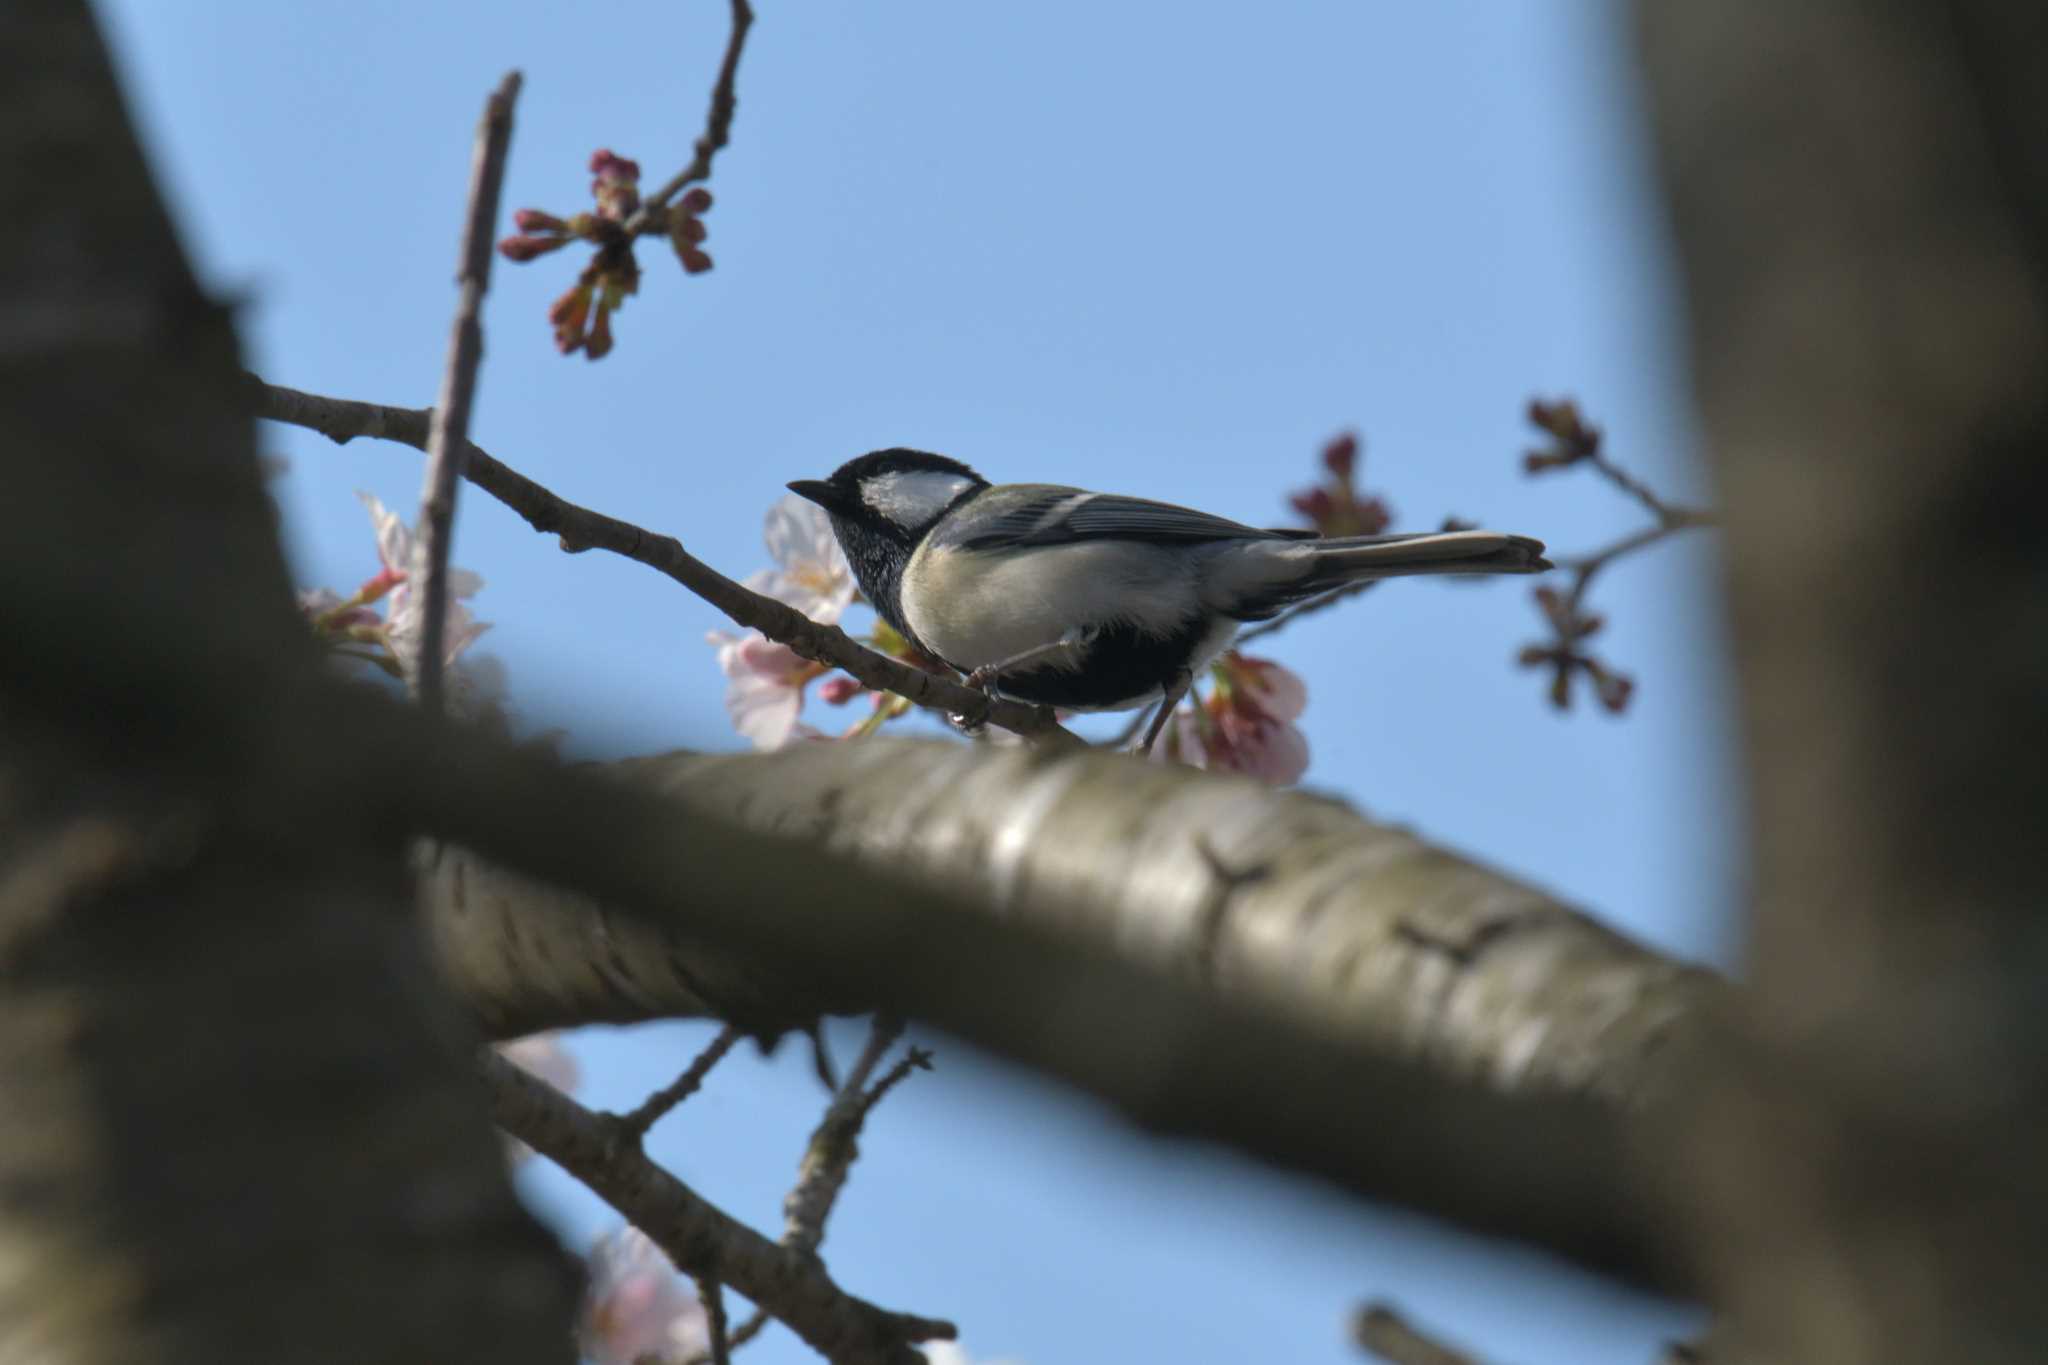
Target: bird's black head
column 895, row 492
column 881, row 505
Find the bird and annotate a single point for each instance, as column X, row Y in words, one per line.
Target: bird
column 1085, row 601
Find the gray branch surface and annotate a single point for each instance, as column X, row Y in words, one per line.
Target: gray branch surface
column 1284, row 899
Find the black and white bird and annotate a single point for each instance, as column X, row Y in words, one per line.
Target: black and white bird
column 1093, row 601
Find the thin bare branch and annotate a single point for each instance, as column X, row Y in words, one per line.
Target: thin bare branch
column 1380, row 1330
column 448, row 430
column 712, row 1295
column 834, row 1145
column 913, row 1059
column 1671, row 522
column 580, row 528
column 702, row 1241
column 717, row 124
column 650, row 1112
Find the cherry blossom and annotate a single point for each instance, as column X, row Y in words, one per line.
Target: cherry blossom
column 1245, row 725
column 764, row 687
column 811, row 572
column 764, row 680
column 636, row 1307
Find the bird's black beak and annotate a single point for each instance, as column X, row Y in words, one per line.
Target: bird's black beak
column 820, row 492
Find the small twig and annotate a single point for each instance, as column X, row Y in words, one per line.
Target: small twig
column 1634, row 487
column 636, row 1124
column 341, row 419
column 712, row 1295
column 745, row 1333
column 700, row 1239
column 834, row 1144
column 448, row 432
column 717, row 125
column 1380, row 1330
column 1583, row 568
column 913, row 1059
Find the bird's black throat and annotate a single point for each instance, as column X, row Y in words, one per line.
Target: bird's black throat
column 878, row 554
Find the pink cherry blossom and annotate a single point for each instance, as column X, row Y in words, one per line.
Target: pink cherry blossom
column 810, row 573
column 765, row 681
column 1246, row 724
column 636, row 1307
column 764, row 687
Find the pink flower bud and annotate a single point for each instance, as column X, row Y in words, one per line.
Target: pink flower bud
column 839, row 689
column 694, row 261
column 599, row 343
column 570, row 314
column 608, row 165
column 1340, row 456
column 535, row 220
column 1314, row 505
column 1369, row 517
column 526, row 248
column 696, row 200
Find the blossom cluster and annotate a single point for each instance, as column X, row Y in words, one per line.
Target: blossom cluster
column 581, row 317
column 381, row 623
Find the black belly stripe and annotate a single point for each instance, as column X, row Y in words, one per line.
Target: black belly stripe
column 1121, row 665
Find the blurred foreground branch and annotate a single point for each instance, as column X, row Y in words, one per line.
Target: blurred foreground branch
column 1859, row 194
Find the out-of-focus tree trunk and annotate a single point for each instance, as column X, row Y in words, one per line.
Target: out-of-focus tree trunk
column 236, row 1120
column 1860, row 199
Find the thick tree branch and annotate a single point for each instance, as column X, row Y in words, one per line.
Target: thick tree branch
column 1859, row 194
column 342, row 420
column 702, row 1241
column 1361, row 930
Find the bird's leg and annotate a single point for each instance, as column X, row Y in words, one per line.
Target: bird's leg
column 1176, row 687
column 985, row 676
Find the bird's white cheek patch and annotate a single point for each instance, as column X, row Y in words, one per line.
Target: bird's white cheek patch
column 913, row 497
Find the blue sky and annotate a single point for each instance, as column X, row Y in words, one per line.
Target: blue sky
column 1159, row 249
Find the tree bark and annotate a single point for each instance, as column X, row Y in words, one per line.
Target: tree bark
column 238, row 1121
column 1285, row 900
column 1860, row 199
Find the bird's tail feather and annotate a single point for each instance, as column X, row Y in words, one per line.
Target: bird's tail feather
column 1430, row 552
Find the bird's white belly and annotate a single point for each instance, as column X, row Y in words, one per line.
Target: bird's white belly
column 974, row 608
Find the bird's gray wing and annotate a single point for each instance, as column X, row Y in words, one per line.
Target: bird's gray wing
column 1045, row 514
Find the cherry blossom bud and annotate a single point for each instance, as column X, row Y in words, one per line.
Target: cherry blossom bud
column 535, row 220
column 839, row 689
column 526, row 248
column 1340, row 456
column 694, row 261
column 696, row 200
column 570, row 314
column 608, row 165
